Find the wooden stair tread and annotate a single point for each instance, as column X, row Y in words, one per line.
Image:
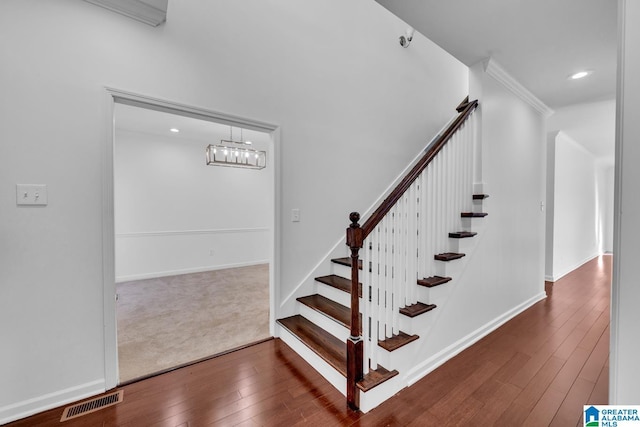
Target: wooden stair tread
column 432, row 281
column 417, row 309
column 473, row 214
column 397, row 341
column 462, row 234
column 339, row 282
column 375, row 378
column 448, row 256
column 480, row 196
column 346, row 261
column 329, row 348
column 329, row 308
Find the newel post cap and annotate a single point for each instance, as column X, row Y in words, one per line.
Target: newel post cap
column 354, row 232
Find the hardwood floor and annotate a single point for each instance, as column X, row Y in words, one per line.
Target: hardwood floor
column 536, row 370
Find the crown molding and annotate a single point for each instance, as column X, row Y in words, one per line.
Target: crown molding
column 134, row 9
column 492, row 68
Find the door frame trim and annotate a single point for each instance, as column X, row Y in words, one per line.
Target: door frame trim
column 113, row 96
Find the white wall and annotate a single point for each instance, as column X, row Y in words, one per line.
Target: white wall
column 175, row 215
column 624, row 382
column 607, row 182
column 514, row 176
column 579, row 209
column 550, row 207
column 353, row 107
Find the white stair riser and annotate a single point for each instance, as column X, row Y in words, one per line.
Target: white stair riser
column 325, row 322
column 449, row 268
column 341, row 270
column 411, row 325
column 379, row 394
column 474, row 224
column 479, row 205
column 461, row 246
column 327, row 371
column 333, row 294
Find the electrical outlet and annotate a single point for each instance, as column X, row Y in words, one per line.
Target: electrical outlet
column 31, row 194
column 295, row 215
column 211, row 252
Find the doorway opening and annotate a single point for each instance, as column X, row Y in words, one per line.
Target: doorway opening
column 193, row 244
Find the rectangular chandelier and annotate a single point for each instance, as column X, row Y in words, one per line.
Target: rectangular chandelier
column 236, row 155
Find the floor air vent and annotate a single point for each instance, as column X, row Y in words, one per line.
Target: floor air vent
column 92, row 405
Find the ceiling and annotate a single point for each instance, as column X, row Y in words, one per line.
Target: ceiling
column 191, row 130
column 540, row 43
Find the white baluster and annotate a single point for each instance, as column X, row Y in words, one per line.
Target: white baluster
column 402, row 251
column 375, row 295
column 411, row 246
column 366, row 305
column 388, row 290
column 396, row 283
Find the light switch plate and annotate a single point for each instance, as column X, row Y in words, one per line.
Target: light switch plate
column 31, row 194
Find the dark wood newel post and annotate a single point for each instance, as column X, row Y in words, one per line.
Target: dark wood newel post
column 355, row 238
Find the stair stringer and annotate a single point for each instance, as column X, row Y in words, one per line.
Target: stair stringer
column 441, row 343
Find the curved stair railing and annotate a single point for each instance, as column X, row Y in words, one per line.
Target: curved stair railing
column 398, row 238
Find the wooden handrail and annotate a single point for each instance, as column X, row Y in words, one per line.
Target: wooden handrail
column 355, row 239
column 465, row 109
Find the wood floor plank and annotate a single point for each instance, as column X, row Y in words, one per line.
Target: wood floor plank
column 600, row 393
column 595, row 332
column 528, row 398
column 496, row 403
column 569, row 372
column 510, row 368
column 454, row 399
column 597, row 359
column 570, row 411
column 542, row 414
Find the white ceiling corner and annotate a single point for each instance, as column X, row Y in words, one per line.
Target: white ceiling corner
column 151, row 12
column 493, row 69
column 540, row 43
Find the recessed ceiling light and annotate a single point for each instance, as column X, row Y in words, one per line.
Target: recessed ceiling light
column 580, row 75
column 174, row 130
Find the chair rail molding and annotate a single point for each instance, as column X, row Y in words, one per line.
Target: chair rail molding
column 191, row 232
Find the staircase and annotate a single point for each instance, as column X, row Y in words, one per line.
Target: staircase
column 365, row 360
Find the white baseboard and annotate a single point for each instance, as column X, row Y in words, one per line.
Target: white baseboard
column 556, row 277
column 29, row 407
column 156, row 274
column 447, row 353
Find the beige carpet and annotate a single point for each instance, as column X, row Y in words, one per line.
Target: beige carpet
column 169, row 321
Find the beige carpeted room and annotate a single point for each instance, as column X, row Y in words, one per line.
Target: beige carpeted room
column 169, row 321
column 193, row 241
